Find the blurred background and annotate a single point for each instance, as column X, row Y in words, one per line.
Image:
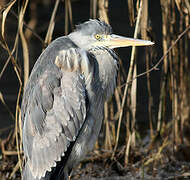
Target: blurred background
column 146, row 129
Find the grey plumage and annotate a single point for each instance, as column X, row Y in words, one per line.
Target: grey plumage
column 62, row 107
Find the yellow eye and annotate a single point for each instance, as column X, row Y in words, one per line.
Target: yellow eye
column 98, row 36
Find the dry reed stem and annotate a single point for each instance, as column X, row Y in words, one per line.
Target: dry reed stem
column 10, row 53
column 131, row 12
column 17, row 130
column 33, row 21
column 104, row 17
column 103, row 10
column 15, row 169
column 25, row 50
column 51, row 26
column 6, row 106
column 66, row 18
column 3, row 142
column 2, row 130
column 119, row 104
column 133, row 91
column 161, row 104
column 164, row 5
column 144, row 25
column 108, row 144
column 5, row 46
column 93, row 9
column 155, row 67
column 26, row 75
column 2, row 45
column 158, row 155
column 11, row 153
column 20, row 127
column 10, row 57
column 187, row 3
column 173, row 58
column 29, row 28
column 133, row 96
column 91, row 6
column 5, row 12
column 127, row 151
column 118, row 99
column 15, row 66
column 70, row 14
column 111, row 123
column 130, row 75
column 185, row 109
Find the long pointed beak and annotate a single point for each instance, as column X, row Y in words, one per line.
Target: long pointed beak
column 115, row 41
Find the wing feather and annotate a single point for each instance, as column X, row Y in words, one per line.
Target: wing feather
column 54, row 111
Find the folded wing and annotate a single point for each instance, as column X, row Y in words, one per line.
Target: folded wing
column 54, row 109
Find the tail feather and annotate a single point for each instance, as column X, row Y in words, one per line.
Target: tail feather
column 27, row 174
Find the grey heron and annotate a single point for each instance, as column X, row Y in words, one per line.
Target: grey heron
column 63, row 101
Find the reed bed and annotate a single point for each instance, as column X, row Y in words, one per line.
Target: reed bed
column 121, row 142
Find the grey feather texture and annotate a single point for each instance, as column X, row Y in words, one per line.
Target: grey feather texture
column 57, row 120
column 62, row 107
column 94, row 26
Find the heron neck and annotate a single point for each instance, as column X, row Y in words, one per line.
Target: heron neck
column 107, row 62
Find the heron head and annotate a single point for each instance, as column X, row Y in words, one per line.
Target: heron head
column 96, row 34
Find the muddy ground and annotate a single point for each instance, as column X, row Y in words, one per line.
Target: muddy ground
column 150, row 161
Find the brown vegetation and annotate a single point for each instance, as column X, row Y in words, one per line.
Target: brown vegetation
column 122, row 148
